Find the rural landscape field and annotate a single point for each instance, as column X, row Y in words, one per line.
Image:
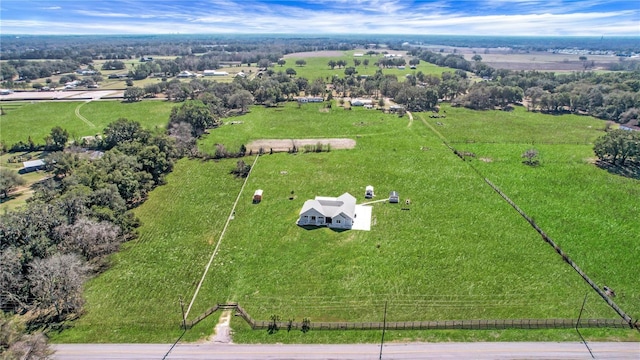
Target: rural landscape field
column 161, row 186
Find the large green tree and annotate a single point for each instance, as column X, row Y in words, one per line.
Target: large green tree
column 9, row 180
column 618, row 146
column 133, row 94
column 124, row 130
column 195, row 113
column 57, row 139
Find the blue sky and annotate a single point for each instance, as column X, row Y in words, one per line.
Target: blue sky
column 480, row 17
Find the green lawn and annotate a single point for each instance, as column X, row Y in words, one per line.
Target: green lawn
column 460, row 252
column 35, row 120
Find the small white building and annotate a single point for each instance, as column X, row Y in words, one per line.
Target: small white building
column 394, row 198
column 338, row 213
column 368, row 192
column 257, row 196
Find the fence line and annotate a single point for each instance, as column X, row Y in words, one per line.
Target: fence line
column 566, row 258
column 531, row 142
column 627, row 319
column 495, row 324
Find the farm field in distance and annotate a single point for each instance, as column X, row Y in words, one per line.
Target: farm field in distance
column 35, row 120
column 459, row 252
column 317, row 66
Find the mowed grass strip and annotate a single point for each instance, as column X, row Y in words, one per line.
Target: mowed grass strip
column 137, row 299
column 37, row 119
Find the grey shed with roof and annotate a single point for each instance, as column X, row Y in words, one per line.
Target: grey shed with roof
column 394, row 198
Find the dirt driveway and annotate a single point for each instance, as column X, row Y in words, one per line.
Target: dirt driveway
column 281, row 145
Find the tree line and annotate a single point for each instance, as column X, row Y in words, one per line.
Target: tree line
column 76, row 218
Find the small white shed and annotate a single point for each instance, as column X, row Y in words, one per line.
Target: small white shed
column 393, row 197
column 368, row 192
column 257, row 196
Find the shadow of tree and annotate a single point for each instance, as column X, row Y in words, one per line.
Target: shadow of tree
column 629, row 170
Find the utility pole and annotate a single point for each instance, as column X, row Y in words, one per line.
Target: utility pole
column 184, row 319
column 384, row 327
column 578, row 322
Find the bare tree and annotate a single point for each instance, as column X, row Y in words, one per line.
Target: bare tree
column 531, row 157
column 17, row 344
column 89, row 238
column 56, row 283
column 12, row 282
column 183, row 133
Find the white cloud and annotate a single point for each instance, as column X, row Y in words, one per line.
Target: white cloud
column 228, row 16
column 52, row 8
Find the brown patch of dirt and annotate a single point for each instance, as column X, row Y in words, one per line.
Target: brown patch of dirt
column 282, row 145
column 487, row 160
column 311, row 54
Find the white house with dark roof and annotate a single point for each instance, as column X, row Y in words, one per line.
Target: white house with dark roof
column 337, row 213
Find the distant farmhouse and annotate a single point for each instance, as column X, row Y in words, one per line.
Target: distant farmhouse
column 337, row 213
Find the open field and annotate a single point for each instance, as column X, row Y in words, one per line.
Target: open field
column 37, row 119
column 459, row 252
column 317, row 67
column 505, row 58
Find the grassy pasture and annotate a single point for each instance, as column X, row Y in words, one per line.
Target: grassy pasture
column 460, row 252
column 317, row 67
column 137, row 299
column 37, row 119
column 590, row 213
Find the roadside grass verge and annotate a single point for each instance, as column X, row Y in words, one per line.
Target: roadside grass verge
column 37, row 119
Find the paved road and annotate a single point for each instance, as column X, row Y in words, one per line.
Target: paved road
column 410, row 351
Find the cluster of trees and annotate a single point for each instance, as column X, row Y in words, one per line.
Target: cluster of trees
column 619, row 147
column 75, row 218
column 30, row 70
column 489, row 95
column 611, row 96
column 54, row 141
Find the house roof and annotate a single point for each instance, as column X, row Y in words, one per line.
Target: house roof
column 330, row 206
